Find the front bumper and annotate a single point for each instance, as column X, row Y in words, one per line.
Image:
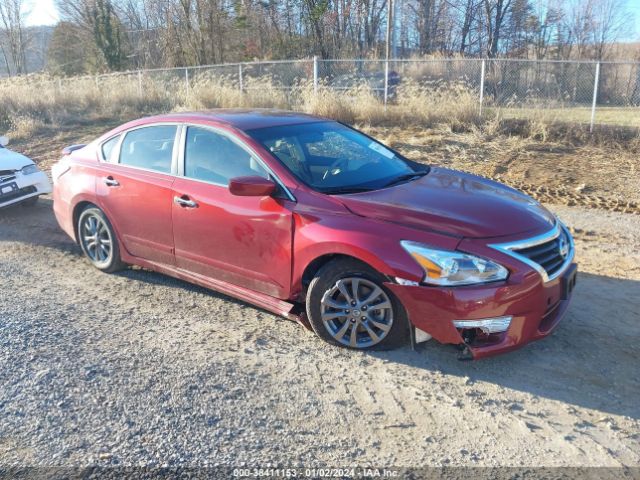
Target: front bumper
column 24, row 187
column 536, row 307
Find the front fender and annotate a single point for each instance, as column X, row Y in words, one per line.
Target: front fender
column 374, row 242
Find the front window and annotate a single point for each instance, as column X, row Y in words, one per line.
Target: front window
column 333, row 158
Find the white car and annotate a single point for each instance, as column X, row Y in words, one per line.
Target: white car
column 21, row 181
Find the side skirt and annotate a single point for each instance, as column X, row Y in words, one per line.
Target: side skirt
column 267, row 302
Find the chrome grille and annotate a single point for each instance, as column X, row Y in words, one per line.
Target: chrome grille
column 550, row 253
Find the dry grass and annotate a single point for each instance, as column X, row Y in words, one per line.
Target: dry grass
column 620, row 116
column 453, row 105
column 29, row 104
column 223, row 93
column 24, row 107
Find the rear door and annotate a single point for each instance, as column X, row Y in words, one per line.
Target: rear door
column 135, row 189
column 245, row 241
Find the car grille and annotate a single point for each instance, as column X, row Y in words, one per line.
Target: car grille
column 23, row 192
column 548, row 255
column 6, row 175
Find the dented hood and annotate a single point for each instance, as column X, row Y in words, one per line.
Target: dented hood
column 454, row 203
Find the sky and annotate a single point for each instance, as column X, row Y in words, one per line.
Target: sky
column 634, row 8
column 43, row 12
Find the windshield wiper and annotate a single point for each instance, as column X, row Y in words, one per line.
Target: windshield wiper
column 405, row 178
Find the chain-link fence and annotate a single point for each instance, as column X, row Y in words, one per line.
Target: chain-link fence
column 569, row 91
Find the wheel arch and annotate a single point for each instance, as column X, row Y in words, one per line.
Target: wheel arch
column 79, row 207
column 312, row 267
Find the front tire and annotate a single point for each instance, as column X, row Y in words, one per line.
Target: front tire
column 98, row 240
column 348, row 306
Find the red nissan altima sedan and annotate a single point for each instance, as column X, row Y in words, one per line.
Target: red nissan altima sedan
column 313, row 220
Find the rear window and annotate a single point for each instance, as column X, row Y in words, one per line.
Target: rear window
column 150, row 148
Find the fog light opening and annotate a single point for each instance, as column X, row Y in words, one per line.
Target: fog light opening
column 484, row 331
column 469, row 334
column 487, row 325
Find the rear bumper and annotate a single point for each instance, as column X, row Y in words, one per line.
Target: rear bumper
column 25, row 187
column 536, row 309
column 63, row 213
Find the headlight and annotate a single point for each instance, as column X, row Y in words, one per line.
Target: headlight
column 29, row 169
column 448, row 268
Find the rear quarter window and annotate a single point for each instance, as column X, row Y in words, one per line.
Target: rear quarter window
column 108, row 149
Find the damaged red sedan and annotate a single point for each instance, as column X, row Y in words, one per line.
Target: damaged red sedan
column 308, row 218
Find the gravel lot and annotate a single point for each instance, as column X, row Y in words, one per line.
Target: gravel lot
column 140, row 369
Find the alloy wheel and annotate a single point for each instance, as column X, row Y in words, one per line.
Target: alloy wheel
column 357, row 312
column 96, row 239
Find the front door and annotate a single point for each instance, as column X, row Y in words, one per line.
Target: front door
column 134, row 189
column 245, row 241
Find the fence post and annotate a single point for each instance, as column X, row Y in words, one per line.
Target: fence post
column 139, row 82
column 595, row 97
column 241, row 81
column 386, row 82
column 315, row 74
column 186, row 78
column 482, row 73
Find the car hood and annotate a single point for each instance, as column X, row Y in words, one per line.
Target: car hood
column 454, row 203
column 12, row 160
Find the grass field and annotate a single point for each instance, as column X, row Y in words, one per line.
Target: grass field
column 613, row 116
column 27, row 104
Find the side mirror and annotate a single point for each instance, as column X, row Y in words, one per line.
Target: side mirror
column 4, row 141
column 253, row 186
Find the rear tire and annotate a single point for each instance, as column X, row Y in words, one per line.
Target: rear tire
column 98, row 240
column 349, row 306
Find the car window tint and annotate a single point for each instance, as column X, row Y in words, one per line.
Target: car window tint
column 149, row 147
column 107, row 148
column 213, row 157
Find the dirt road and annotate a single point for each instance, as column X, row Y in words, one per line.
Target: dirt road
column 137, row 368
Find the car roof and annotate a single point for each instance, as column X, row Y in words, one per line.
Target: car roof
column 242, row 119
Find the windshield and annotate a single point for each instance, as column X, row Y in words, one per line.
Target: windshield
column 332, row 158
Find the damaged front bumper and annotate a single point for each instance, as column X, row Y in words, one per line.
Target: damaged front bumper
column 487, row 320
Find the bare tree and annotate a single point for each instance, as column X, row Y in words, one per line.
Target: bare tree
column 609, row 24
column 469, row 11
column 189, row 32
column 12, row 15
column 496, row 12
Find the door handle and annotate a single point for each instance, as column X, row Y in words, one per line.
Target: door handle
column 184, row 202
column 111, row 182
